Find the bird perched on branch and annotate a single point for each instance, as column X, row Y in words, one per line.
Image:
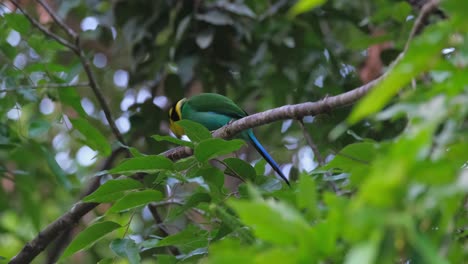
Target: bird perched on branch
column 214, row 111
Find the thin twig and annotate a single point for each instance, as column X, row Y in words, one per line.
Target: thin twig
column 76, row 48
column 318, row 156
column 100, row 97
column 65, row 238
column 154, row 212
column 311, row 143
column 45, row 86
column 419, row 24
column 47, row 32
column 58, row 20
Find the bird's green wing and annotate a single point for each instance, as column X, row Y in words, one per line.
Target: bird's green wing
column 211, row 102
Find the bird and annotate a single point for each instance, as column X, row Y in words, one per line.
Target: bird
column 214, row 111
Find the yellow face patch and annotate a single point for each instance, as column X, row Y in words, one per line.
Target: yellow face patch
column 175, row 114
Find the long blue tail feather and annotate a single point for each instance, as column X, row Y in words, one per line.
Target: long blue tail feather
column 265, row 155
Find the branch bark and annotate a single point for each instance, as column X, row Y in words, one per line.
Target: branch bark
column 296, row 111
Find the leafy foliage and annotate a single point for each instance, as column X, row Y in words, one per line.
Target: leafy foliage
column 392, row 183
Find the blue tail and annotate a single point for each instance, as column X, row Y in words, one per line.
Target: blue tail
column 265, row 154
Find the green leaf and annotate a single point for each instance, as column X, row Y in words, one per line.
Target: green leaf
column 354, row 158
column 195, row 131
column 18, row 22
column 212, row 175
column 112, row 190
column 167, row 259
column 93, row 137
column 126, row 248
column 273, row 221
column 107, row 261
column 184, row 164
column 215, row 17
column 38, row 128
column 307, row 195
column 89, row 236
column 60, row 174
column 146, row 164
column 421, row 56
column 135, row 199
column 193, row 201
column 303, row 6
column 70, row 97
column 173, row 140
column 241, row 168
column 189, row 239
column 363, row 253
column 215, row 147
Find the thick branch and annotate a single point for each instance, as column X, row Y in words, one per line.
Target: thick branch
column 65, row 223
column 296, row 111
column 42, row 240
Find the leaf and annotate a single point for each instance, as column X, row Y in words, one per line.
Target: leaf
column 89, row 236
column 306, row 195
column 273, row 221
column 135, row 199
column 69, row 96
column 237, row 8
column 195, row 131
column 354, row 158
column 146, row 164
column 192, row 202
column 18, row 22
column 205, row 38
column 106, row 261
column 241, row 168
column 60, row 174
column 184, row 164
column 303, row 6
column 112, row 190
column 215, row 147
column 215, row 18
column 422, row 54
column 363, row 253
column 126, row 248
column 93, row 137
column 173, row 140
column 189, row 239
column 212, row 175
column 38, row 128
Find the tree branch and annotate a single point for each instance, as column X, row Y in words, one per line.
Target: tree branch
column 296, row 111
column 44, row 30
column 63, row 224
column 71, row 33
column 76, row 48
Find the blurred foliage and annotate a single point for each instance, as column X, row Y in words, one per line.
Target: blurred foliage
column 395, row 183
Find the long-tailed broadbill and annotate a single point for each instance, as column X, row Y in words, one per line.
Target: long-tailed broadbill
column 214, row 111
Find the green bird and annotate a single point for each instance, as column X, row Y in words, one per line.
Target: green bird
column 214, row 111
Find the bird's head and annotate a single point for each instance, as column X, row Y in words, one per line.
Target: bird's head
column 175, row 114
